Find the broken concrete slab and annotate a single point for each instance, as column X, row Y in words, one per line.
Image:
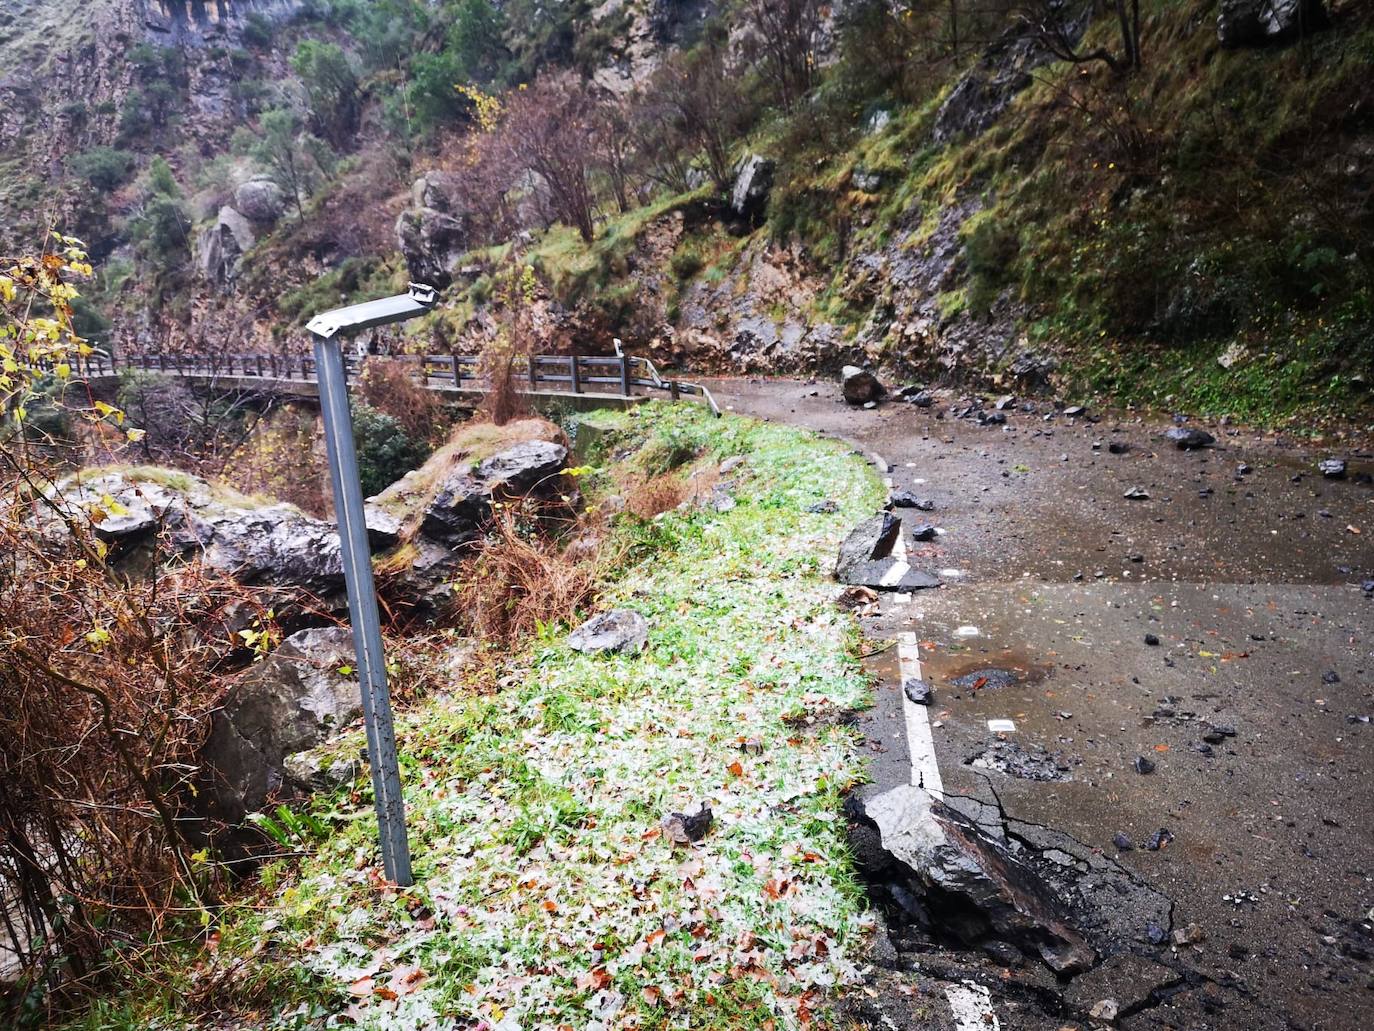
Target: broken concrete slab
column 945, row 858
column 1133, row 982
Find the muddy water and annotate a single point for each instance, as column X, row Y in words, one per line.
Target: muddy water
column 1245, row 565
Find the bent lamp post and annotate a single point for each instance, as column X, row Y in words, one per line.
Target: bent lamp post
column 357, row 558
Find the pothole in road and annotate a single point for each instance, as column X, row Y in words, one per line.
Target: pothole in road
column 1025, row 763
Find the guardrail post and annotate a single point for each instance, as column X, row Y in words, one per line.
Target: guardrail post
column 576, row 375
column 534, row 376
column 625, row 375
column 457, row 371
column 674, row 391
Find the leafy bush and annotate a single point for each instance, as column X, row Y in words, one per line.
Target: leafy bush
column 105, row 168
column 687, row 261
column 990, row 249
column 385, row 453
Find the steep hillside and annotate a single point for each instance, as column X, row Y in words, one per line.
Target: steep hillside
column 1017, row 196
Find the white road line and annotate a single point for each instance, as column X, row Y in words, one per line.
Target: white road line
column 971, row 1005
column 925, row 771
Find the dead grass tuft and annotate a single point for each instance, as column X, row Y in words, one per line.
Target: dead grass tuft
column 522, row 581
column 655, row 496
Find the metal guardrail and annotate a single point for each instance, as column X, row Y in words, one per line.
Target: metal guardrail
column 619, row 375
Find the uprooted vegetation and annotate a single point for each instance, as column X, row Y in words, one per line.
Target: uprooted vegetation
column 546, row 890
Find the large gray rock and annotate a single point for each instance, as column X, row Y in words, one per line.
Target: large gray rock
column 1248, row 23
column 260, row 200
column 860, row 386
column 267, row 545
column 753, row 184
column 140, row 506
column 432, row 244
column 276, row 545
column 432, row 234
column 944, row 853
column 531, row 466
column 866, row 558
column 992, row 83
column 620, row 630
column 221, row 247
column 291, row 702
column 459, row 510
column 872, row 539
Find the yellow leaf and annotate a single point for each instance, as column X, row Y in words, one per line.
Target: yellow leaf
column 62, row 370
column 135, row 435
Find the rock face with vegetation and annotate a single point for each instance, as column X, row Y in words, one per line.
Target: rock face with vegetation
column 1027, row 194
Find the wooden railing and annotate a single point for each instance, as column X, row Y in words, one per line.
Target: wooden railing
column 619, row 375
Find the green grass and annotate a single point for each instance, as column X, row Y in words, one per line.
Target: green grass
column 544, row 892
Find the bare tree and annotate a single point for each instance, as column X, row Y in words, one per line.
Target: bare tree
column 550, row 128
column 787, row 32
column 614, row 146
column 690, row 109
column 1059, row 29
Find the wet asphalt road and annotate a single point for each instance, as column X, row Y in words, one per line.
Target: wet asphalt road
column 1250, row 582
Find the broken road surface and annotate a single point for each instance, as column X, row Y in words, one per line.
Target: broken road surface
column 1140, row 729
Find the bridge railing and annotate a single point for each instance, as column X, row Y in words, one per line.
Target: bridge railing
column 620, row 375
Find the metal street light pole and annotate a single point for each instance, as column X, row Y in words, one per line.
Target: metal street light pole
column 357, row 559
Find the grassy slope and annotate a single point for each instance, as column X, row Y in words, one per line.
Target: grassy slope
column 545, row 894
column 1145, row 223
column 1150, row 224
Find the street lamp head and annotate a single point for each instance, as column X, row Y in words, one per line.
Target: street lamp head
column 382, row 312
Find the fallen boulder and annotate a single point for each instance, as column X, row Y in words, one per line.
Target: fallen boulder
column 860, row 386
column 524, row 468
column 1253, row 23
column 1332, row 468
column 866, row 559
column 293, row 701
column 753, row 184
column 620, row 630
column 459, row 509
column 942, row 853
column 260, row 199
column 274, row 545
column 1188, row 439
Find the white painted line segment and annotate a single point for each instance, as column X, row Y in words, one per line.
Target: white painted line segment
column 894, row 575
column 925, row 771
column 971, row 1006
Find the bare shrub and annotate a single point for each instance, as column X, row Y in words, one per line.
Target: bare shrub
column 282, row 459
column 389, row 387
column 105, row 701
column 105, row 689
column 522, row 580
column 506, row 355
